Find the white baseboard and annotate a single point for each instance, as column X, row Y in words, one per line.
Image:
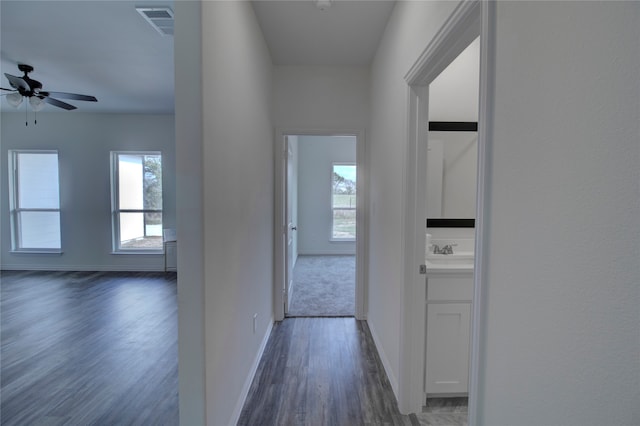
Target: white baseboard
column 90, row 268
column 385, row 361
column 252, row 372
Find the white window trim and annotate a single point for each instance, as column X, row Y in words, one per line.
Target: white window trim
column 115, row 217
column 14, row 210
column 333, row 239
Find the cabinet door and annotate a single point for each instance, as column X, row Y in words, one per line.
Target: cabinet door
column 447, row 363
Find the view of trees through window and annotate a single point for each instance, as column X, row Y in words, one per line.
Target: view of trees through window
column 139, row 209
column 343, row 201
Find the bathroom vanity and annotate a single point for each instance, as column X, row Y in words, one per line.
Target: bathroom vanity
column 449, row 298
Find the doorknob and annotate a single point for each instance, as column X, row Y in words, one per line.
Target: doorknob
column 294, row 228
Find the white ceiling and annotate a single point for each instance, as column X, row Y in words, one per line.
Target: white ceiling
column 106, row 49
column 100, row 48
column 346, row 33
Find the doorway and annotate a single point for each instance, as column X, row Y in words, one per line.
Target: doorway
column 468, row 21
column 451, row 170
column 321, row 198
column 319, row 224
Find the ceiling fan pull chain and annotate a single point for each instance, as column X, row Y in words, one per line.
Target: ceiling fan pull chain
column 26, row 115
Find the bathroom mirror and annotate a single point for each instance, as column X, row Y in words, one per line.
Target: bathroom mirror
column 451, row 175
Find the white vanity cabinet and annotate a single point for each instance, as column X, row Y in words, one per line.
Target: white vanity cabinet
column 449, row 298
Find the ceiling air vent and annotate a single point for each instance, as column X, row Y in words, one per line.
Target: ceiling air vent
column 160, row 18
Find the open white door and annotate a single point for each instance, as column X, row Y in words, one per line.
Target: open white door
column 291, row 226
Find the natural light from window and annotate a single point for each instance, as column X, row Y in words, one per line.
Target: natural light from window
column 343, row 202
column 137, row 201
column 35, row 201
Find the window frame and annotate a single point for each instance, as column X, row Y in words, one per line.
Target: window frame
column 115, row 205
column 332, row 238
column 15, row 209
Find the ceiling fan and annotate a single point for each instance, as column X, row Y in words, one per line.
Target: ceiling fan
column 25, row 87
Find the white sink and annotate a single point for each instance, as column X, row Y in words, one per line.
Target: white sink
column 462, row 257
column 462, row 260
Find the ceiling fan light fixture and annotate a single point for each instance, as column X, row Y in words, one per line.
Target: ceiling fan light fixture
column 32, row 89
column 14, row 99
column 36, row 103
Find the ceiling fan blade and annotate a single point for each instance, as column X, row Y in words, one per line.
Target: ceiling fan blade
column 58, row 103
column 73, row 96
column 17, row 82
column 8, row 90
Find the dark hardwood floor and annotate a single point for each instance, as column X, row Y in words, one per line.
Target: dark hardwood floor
column 86, row 348
column 321, row 371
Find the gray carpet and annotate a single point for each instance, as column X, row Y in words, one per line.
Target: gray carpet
column 324, row 286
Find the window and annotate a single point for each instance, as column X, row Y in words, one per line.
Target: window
column 34, row 201
column 343, row 202
column 137, row 201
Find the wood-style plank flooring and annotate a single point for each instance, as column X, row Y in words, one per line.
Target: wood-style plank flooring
column 90, row 348
column 321, row 371
column 445, row 412
column 86, row 348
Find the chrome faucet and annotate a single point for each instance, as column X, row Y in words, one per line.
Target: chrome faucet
column 447, row 249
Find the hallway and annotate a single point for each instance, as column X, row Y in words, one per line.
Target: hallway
column 321, row 371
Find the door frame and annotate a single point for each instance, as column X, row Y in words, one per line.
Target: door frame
column 280, row 225
column 469, row 20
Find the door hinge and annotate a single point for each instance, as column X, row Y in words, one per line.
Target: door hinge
column 423, row 269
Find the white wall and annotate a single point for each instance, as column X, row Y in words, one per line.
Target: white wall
column 460, row 157
column 327, row 100
column 560, row 338
column 317, row 154
column 410, row 28
column 321, row 98
column 236, row 148
column 453, row 95
column 84, row 142
column 189, row 212
column 561, row 334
